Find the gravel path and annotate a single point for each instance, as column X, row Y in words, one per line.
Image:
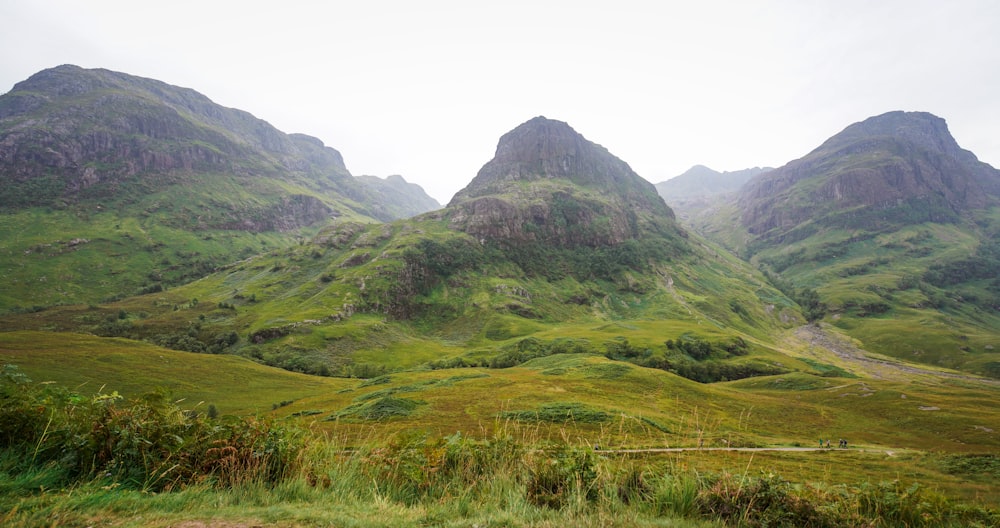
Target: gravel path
column 877, row 368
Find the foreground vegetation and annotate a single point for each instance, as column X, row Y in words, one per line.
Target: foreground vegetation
column 70, row 459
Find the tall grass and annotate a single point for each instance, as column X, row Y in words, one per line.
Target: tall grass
column 67, row 459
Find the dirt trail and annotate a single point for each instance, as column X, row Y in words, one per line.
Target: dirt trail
column 865, row 363
column 748, row 449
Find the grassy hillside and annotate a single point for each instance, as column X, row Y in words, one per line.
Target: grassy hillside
column 889, row 231
column 924, row 293
column 364, row 300
column 89, row 365
column 584, row 398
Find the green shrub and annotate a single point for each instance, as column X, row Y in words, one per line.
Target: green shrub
column 145, row 443
column 553, row 477
column 763, row 501
column 560, row 413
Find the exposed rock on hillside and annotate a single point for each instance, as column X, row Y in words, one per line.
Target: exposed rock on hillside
column 896, row 168
column 548, row 184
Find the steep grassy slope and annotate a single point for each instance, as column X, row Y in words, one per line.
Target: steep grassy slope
column 362, row 300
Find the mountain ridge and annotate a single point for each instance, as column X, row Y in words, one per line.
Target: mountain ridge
column 554, row 261
column 889, row 167
column 82, row 129
column 887, row 230
column 700, row 181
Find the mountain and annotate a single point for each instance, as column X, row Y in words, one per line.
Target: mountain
column 115, row 184
column 701, row 182
column 556, row 246
column 890, row 170
column 888, row 230
column 698, row 192
column 68, row 134
column 549, row 185
column 396, row 198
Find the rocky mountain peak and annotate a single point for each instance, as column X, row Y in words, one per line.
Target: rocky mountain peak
column 919, row 128
column 544, row 148
column 549, row 184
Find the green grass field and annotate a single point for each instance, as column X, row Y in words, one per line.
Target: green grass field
column 923, row 431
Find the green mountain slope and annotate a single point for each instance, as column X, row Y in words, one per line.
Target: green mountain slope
column 555, row 246
column 895, row 226
column 111, row 184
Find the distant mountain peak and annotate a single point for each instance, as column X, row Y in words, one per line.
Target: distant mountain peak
column 702, row 182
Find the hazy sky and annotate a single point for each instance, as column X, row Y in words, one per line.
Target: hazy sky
column 425, row 89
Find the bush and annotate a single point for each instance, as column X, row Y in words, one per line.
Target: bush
column 554, row 477
column 147, row 443
column 764, row 501
column 22, row 421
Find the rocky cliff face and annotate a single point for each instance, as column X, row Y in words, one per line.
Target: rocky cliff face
column 548, row 184
column 98, row 125
column 894, row 168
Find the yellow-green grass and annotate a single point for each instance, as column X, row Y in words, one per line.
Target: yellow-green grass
column 644, row 407
column 925, row 413
column 927, row 336
column 897, row 429
column 88, row 364
column 825, row 469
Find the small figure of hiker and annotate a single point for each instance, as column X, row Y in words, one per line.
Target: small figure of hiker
column 843, row 443
column 821, row 442
column 828, row 444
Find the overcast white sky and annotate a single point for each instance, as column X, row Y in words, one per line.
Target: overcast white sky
column 425, row 89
